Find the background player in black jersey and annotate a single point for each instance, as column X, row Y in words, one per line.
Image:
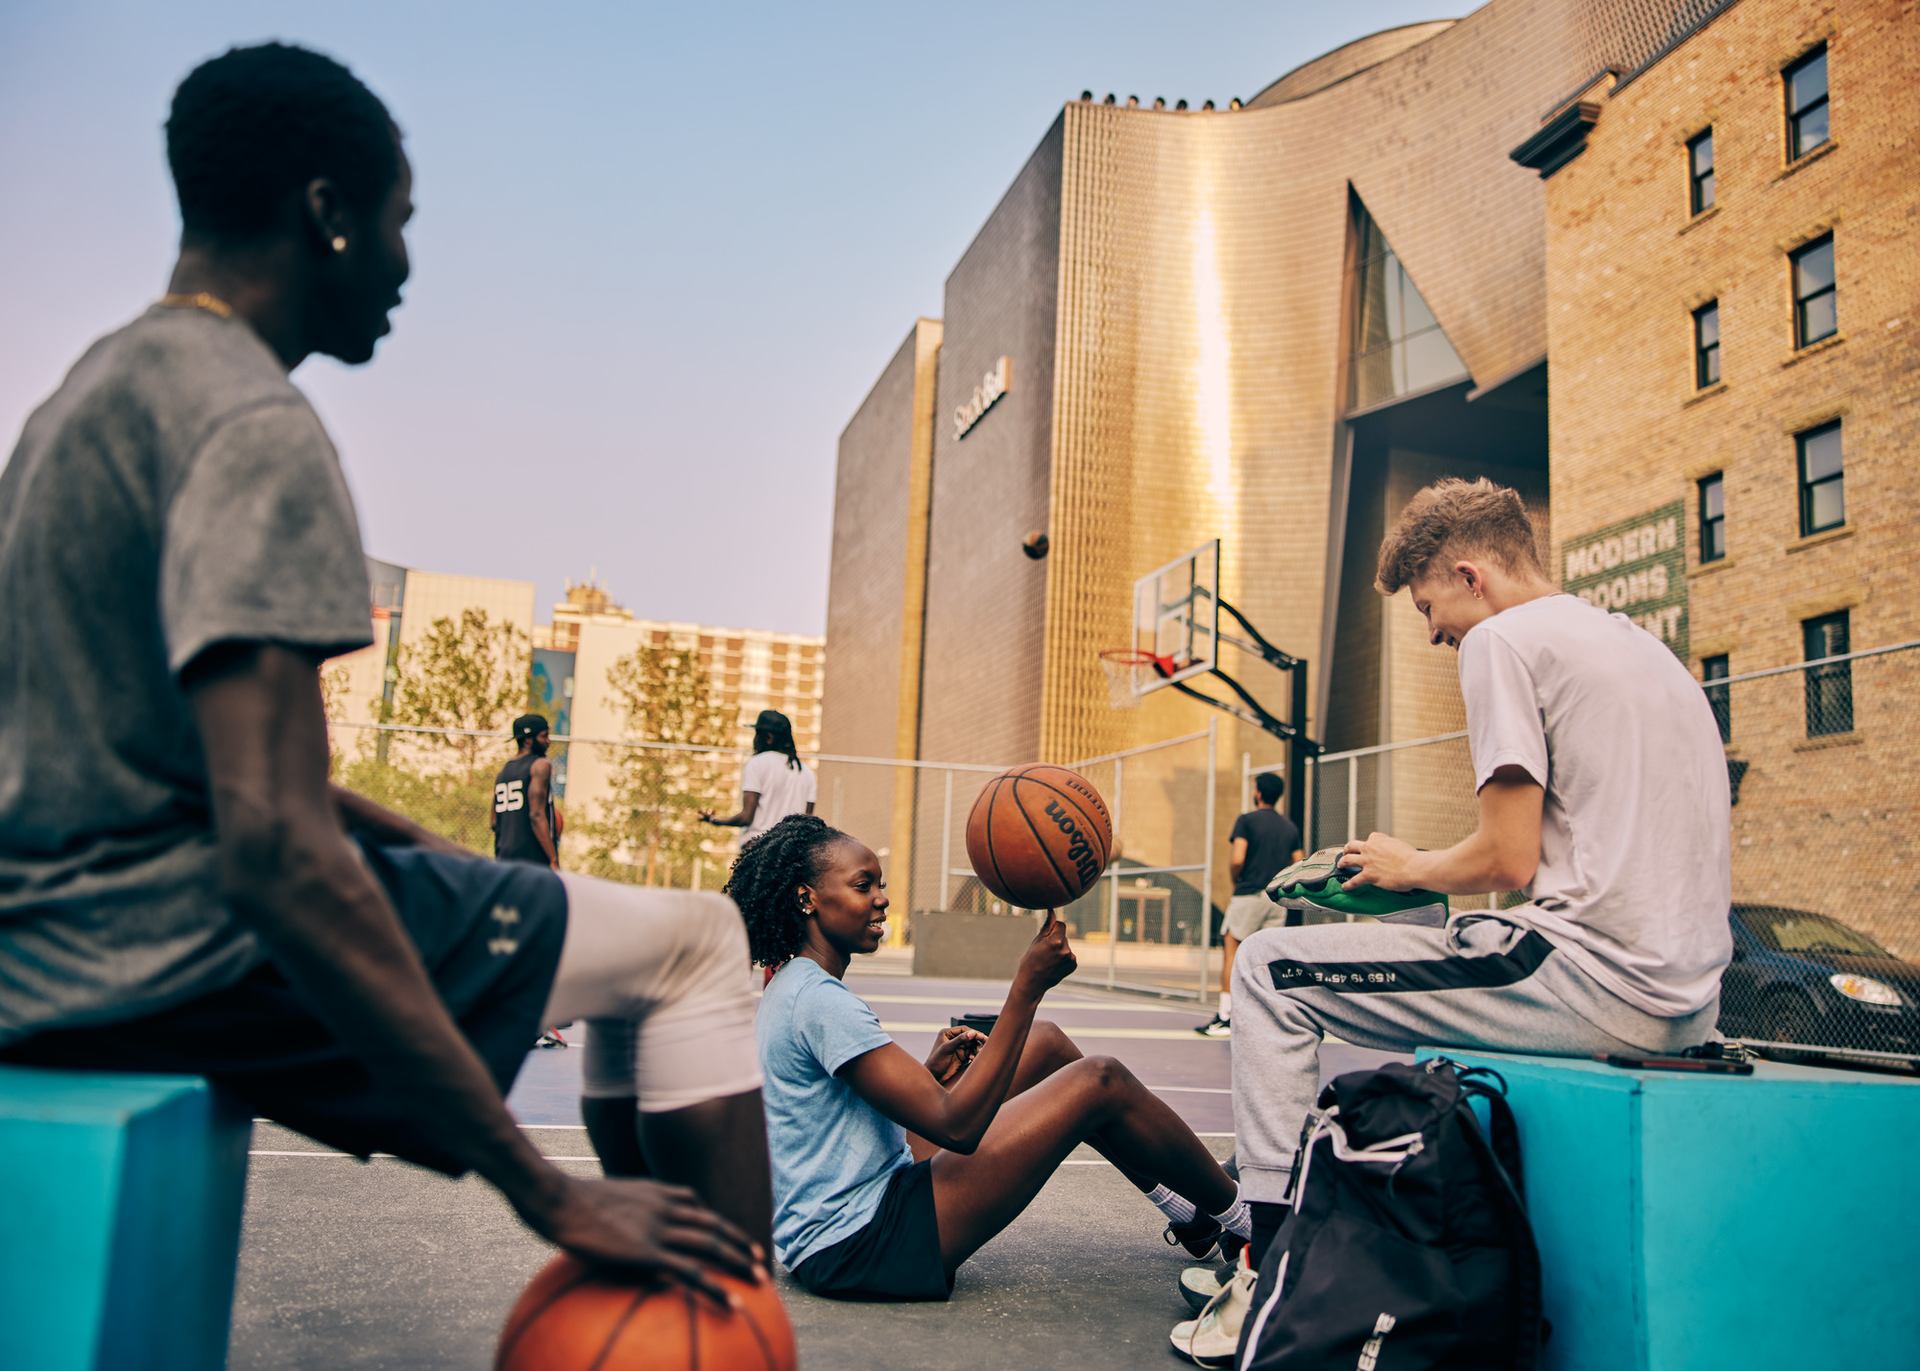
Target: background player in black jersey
column 524, row 827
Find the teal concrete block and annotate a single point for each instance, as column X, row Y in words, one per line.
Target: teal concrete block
column 1698, row 1223
column 120, row 1200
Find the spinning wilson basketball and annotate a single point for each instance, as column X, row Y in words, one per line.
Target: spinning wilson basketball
column 1039, row 836
column 575, row 1318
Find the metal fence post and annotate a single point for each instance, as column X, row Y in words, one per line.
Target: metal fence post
column 1113, row 884
column 946, row 847
column 1353, row 799
column 1311, row 834
column 1206, row 866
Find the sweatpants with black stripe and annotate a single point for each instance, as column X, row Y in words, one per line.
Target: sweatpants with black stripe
column 1404, row 982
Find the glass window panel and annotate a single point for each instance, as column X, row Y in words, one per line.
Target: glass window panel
column 1813, row 268
column 1703, row 193
column 1709, row 367
column 1702, row 154
column 1373, row 377
column 1708, row 319
column 1372, row 321
column 1430, row 360
column 1807, row 82
column 1715, row 669
column 1416, row 316
column 1818, row 319
column 1820, row 453
column 1810, row 130
column 1713, row 498
column 1826, row 506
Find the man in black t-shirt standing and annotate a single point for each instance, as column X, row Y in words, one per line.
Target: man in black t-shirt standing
column 1264, row 840
column 523, row 818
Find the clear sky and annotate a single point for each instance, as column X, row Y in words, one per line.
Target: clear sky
column 662, row 252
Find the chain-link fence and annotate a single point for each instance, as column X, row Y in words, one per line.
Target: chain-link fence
column 630, row 811
column 1823, row 759
column 1823, row 764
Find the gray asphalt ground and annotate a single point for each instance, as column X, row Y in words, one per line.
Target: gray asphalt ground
column 354, row 1265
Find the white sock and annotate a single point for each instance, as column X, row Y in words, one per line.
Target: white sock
column 1226, row 1004
column 1176, row 1208
column 1237, row 1220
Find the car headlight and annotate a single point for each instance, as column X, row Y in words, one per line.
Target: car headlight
column 1864, row 989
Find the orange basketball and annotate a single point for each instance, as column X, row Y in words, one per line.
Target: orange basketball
column 1039, row 836
column 572, row 1317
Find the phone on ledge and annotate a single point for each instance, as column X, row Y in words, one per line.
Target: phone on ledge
column 1713, row 1066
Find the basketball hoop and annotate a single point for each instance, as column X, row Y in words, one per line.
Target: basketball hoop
column 1128, row 669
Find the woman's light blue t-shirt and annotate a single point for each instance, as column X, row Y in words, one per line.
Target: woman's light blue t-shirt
column 833, row 1153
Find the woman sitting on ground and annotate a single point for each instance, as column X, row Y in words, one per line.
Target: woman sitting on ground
column 889, row 1173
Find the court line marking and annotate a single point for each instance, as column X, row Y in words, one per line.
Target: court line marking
column 389, row 1157
column 1049, row 1004
column 1079, row 1032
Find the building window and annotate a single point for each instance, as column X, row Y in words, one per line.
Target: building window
column 1823, row 479
column 1815, row 300
column 1807, row 103
column 1398, row 346
column 1829, row 687
column 1720, row 697
column 1700, row 172
column 1713, row 518
column 1706, row 345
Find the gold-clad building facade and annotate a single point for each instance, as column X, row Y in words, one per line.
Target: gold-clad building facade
column 1268, row 324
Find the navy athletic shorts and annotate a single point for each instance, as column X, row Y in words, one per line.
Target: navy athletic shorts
column 895, row 1257
column 489, row 934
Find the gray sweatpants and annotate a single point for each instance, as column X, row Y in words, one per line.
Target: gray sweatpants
column 1401, row 983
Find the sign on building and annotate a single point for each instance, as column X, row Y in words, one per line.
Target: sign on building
column 1638, row 568
column 996, row 383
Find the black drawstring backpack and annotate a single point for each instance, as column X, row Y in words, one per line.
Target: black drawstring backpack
column 1408, row 1246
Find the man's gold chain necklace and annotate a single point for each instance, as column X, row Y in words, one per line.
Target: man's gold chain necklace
column 200, row 299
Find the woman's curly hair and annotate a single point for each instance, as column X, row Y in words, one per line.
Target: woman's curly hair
column 766, row 882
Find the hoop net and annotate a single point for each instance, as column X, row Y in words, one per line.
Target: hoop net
column 1128, row 670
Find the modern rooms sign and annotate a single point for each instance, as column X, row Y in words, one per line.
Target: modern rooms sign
column 1638, row 568
column 997, row 382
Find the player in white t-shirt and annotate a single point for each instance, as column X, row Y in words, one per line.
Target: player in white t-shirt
column 1603, row 799
column 774, row 784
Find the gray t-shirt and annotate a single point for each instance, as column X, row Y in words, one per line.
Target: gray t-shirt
column 176, row 493
column 1635, row 877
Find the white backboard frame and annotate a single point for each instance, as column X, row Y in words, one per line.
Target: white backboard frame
column 1176, row 614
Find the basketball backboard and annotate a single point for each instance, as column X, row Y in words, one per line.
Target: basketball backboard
column 1176, row 618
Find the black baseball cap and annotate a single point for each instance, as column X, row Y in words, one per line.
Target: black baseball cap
column 772, row 721
column 529, row 726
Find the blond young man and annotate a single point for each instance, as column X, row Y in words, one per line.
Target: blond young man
column 1603, row 799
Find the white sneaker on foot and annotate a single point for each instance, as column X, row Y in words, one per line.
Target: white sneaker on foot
column 1212, row 1338
column 1216, row 1027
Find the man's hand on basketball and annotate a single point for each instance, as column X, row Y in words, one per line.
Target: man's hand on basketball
column 953, row 1052
column 653, row 1228
column 1384, row 861
column 1049, row 958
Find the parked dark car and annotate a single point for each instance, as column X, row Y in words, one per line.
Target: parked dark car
column 1800, row 977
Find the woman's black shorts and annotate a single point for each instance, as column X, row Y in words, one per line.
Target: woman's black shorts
column 895, row 1257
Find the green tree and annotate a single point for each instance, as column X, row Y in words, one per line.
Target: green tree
column 468, row 675
column 649, row 828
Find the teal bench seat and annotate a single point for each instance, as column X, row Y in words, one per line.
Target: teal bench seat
column 1720, row 1223
column 120, row 1201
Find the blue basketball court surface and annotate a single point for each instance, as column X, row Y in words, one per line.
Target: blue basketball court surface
column 351, row 1265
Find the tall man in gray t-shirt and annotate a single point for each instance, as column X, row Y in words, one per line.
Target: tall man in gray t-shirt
column 180, row 889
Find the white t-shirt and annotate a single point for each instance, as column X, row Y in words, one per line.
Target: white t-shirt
column 782, row 788
column 1635, row 877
